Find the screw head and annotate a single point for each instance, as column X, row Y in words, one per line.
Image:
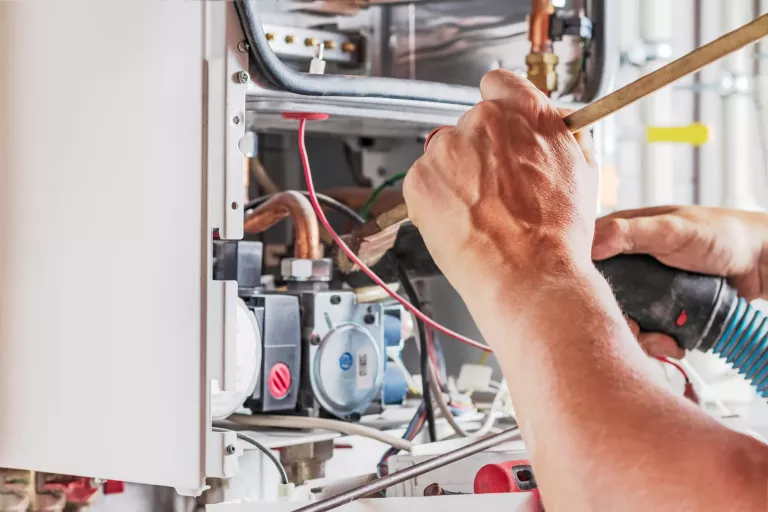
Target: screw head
column 335, row 299
column 314, row 339
column 369, row 319
column 243, row 77
column 236, row 120
column 243, row 47
column 231, row 449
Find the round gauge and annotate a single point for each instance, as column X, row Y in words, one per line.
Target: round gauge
column 248, row 346
column 347, row 370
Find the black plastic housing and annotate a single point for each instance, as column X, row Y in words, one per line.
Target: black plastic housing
column 692, row 308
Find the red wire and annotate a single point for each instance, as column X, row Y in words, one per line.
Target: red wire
column 679, row 368
column 353, row 257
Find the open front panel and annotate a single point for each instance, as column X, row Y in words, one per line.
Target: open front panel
column 101, row 267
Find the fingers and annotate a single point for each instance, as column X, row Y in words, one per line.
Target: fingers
column 655, row 344
column 501, row 84
column 657, row 236
column 660, row 345
column 633, row 326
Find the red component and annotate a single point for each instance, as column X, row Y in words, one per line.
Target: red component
column 113, row 487
column 279, row 380
column 309, row 116
column 76, row 489
column 682, row 318
column 505, row 477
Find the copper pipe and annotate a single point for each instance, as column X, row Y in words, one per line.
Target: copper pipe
column 538, row 28
column 262, row 177
column 294, row 205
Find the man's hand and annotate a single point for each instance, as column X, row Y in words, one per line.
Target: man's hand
column 711, row 241
column 508, row 187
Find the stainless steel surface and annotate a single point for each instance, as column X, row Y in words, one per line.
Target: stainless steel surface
column 449, row 42
column 385, row 482
column 373, row 117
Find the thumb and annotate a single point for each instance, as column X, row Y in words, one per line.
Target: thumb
column 644, row 235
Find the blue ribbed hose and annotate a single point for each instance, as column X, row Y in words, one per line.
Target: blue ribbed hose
column 744, row 344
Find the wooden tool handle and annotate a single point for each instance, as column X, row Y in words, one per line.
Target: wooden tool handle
column 638, row 89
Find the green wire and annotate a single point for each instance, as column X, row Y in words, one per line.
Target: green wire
column 366, row 209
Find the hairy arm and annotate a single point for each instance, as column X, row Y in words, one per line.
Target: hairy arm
column 602, row 434
column 505, row 202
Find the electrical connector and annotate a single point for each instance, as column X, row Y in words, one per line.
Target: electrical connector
column 317, row 66
column 291, row 493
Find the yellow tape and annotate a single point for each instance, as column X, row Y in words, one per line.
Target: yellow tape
column 695, row 134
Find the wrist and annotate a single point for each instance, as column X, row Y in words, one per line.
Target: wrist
column 523, row 283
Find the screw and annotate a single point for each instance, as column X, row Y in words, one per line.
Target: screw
column 231, row 449
column 369, row 319
column 329, row 44
column 236, row 119
column 290, row 39
column 349, row 47
column 309, row 42
column 270, row 36
column 314, row 339
column 243, row 77
column 335, row 300
column 243, row 47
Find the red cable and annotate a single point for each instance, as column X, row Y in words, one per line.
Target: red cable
column 676, row 365
column 353, row 257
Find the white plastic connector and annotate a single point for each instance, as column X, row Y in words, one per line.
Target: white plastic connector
column 289, row 492
column 474, row 377
column 317, row 66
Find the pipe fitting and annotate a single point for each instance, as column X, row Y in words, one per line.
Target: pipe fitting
column 301, row 270
column 542, row 71
column 289, row 204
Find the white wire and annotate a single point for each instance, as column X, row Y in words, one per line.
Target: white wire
column 410, row 382
column 302, row 422
column 448, row 415
column 704, row 387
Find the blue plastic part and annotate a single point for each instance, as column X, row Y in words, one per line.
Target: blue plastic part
column 744, row 344
column 394, row 388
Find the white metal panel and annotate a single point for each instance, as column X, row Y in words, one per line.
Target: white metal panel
column 101, row 265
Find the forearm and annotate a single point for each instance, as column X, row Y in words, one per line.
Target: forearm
column 579, row 380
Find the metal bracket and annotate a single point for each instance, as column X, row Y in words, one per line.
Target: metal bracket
column 227, row 83
column 726, row 85
column 645, row 52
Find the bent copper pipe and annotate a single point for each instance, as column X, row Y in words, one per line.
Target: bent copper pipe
column 294, row 205
column 538, row 30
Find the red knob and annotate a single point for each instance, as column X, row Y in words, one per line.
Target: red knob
column 279, row 380
column 511, row 476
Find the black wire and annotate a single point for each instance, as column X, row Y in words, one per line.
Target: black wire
column 266, row 451
column 413, row 297
column 323, row 199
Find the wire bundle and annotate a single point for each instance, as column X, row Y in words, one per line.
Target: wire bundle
column 413, row 429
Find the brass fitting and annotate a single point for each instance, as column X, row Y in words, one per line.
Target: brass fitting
column 542, row 71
